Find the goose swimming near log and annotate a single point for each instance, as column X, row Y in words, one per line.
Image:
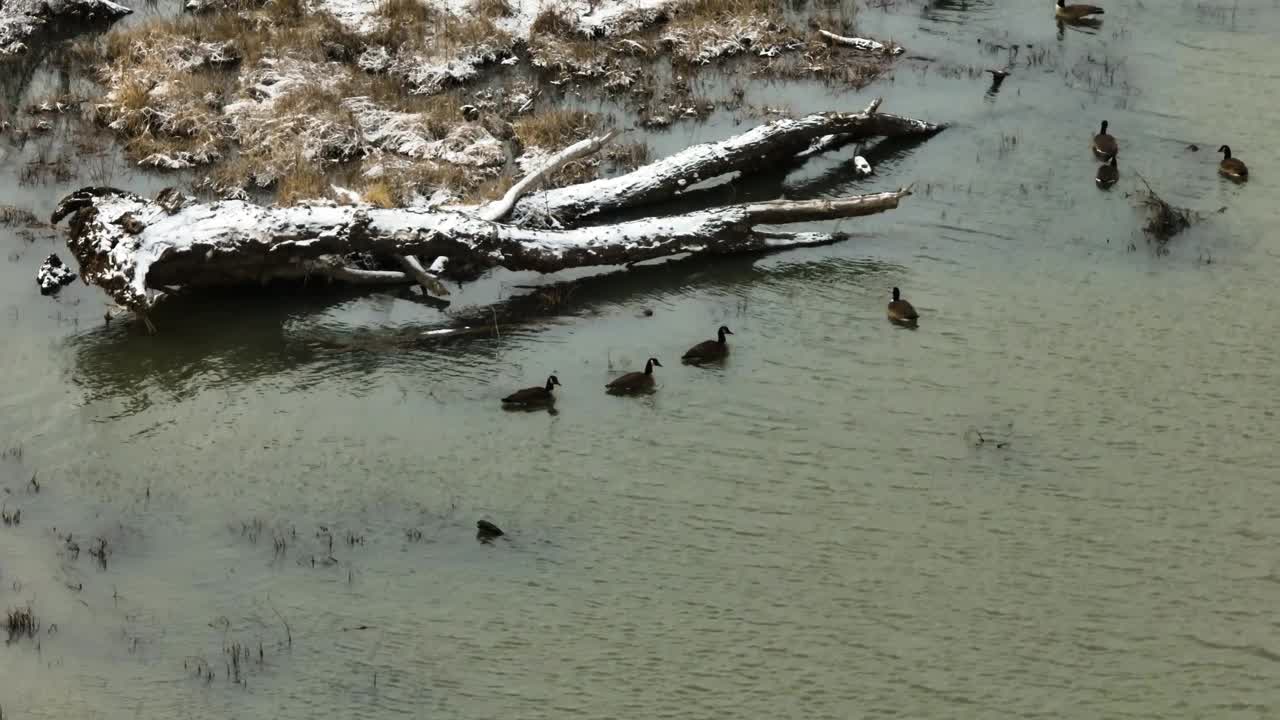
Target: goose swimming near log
column 634, row 381
column 536, row 396
column 708, row 350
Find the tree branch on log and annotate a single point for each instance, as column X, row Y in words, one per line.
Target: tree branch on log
column 498, row 210
column 863, row 44
column 663, row 179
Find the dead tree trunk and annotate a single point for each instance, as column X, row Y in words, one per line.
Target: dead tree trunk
column 130, row 246
column 137, row 249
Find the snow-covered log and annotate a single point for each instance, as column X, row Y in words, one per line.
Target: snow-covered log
column 670, row 176
column 130, row 246
column 19, row 19
column 138, row 249
column 863, row 44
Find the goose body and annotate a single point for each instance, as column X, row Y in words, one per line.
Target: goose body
column 1104, row 144
column 487, row 531
column 709, row 349
column 900, row 310
column 1108, row 174
column 1063, row 11
column 634, row 381
column 533, row 396
column 1230, row 167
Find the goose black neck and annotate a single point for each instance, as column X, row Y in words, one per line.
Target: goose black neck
column 896, row 294
column 648, row 367
column 1113, row 160
column 720, row 333
column 550, row 383
column 1104, row 127
column 1226, row 152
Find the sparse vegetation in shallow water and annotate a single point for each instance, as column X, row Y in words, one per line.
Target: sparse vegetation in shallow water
column 16, row 216
column 20, row 623
column 1164, row 221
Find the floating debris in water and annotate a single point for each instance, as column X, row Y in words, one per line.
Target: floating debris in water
column 53, row 275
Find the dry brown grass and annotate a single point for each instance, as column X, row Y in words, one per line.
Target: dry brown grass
column 716, row 9
column 489, row 190
column 624, row 157
column 407, row 12
column 554, row 20
column 380, row 193
column 492, row 9
column 556, row 129
column 304, row 182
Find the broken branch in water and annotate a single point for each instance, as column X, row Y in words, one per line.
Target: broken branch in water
column 134, row 248
column 864, row 44
column 1165, row 220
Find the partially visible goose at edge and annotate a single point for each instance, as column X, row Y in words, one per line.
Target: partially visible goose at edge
column 537, row 396
column 1104, row 144
column 1063, row 11
column 901, row 311
column 634, row 381
column 1230, row 167
column 1108, row 174
column 708, row 350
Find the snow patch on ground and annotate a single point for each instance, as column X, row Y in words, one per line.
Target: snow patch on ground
column 19, row 19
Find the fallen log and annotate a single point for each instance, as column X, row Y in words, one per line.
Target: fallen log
column 863, row 44
column 130, row 246
column 140, row 250
column 663, row 179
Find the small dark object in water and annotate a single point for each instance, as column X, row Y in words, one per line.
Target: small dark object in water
column 646, row 312
column 708, row 350
column 634, row 381
column 1107, row 174
column 487, row 531
column 901, row 311
column 1193, row 147
column 53, row 275
column 538, row 396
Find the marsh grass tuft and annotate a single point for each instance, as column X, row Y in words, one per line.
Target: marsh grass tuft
column 1164, row 221
column 20, row 623
column 15, row 216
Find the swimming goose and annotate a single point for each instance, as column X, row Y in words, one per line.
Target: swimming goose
column 708, row 349
column 1063, row 11
column 1108, row 174
column 487, row 531
column 1104, row 145
column 634, row 381
column 1230, row 167
column 533, row 396
column 900, row 310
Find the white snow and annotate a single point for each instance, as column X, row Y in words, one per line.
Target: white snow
column 604, row 17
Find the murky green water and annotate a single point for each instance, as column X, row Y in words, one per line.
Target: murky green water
column 805, row 532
